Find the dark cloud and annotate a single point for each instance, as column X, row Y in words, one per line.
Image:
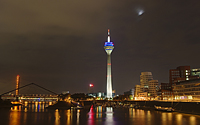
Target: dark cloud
column 59, row 44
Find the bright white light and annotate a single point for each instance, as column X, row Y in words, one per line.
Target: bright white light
column 140, row 12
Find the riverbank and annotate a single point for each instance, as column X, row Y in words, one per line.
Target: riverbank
column 183, row 107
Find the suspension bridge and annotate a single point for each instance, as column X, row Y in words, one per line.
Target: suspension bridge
column 31, row 98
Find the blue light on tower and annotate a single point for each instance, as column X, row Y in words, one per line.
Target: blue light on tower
column 109, row 44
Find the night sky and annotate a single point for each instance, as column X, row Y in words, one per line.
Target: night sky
column 59, row 44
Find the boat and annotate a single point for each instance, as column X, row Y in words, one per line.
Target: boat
column 77, row 107
column 167, row 109
column 16, row 103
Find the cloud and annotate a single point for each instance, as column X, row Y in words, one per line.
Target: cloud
column 61, row 42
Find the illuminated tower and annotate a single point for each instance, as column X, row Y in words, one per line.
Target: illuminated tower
column 17, row 85
column 109, row 46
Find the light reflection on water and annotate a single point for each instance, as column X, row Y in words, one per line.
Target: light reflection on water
column 37, row 114
column 179, row 118
column 109, row 116
column 192, row 120
column 57, row 117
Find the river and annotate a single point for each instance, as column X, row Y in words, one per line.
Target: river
column 36, row 114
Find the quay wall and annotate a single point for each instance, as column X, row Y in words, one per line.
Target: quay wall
column 184, row 107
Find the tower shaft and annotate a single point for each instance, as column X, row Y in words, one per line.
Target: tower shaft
column 109, row 77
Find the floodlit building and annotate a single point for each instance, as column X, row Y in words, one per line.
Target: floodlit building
column 137, row 90
column 166, row 86
column 142, row 96
column 189, row 89
column 113, row 93
column 165, row 94
column 145, row 77
column 195, row 73
column 181, row 73
column 109, row 46
column 153, row 87
column 100, row 94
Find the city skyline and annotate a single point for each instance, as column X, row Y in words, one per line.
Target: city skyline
column 58, row 45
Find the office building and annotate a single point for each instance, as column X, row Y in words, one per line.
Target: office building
column 145, row 77
column 153, row 87
column 189, row 89
column 181, row 73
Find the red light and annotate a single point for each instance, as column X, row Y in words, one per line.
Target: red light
column 91, row 85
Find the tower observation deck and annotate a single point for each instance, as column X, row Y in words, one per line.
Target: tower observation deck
column 109, row 46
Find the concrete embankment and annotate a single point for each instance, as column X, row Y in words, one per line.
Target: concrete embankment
column 184, row 107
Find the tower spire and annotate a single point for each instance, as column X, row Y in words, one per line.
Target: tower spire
column 108, row 35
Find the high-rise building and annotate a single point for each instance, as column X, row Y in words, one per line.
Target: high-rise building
column 153, row 87
column 137, row 90
column 109, row 46
column 145, row 77
column 181, row 73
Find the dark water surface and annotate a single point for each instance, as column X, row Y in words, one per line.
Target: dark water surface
column 36, row 114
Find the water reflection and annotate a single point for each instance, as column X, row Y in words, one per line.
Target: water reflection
column 37, row 114
column 68, row 117
column 99, row 112
column 57, row 117
column 15, row 116
column 169, row 115
column 164, row 118
column 78, row 115
column 192, row 120
column 179, row 118
column 91, row 116
column 149, row 117
column 109, row 116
